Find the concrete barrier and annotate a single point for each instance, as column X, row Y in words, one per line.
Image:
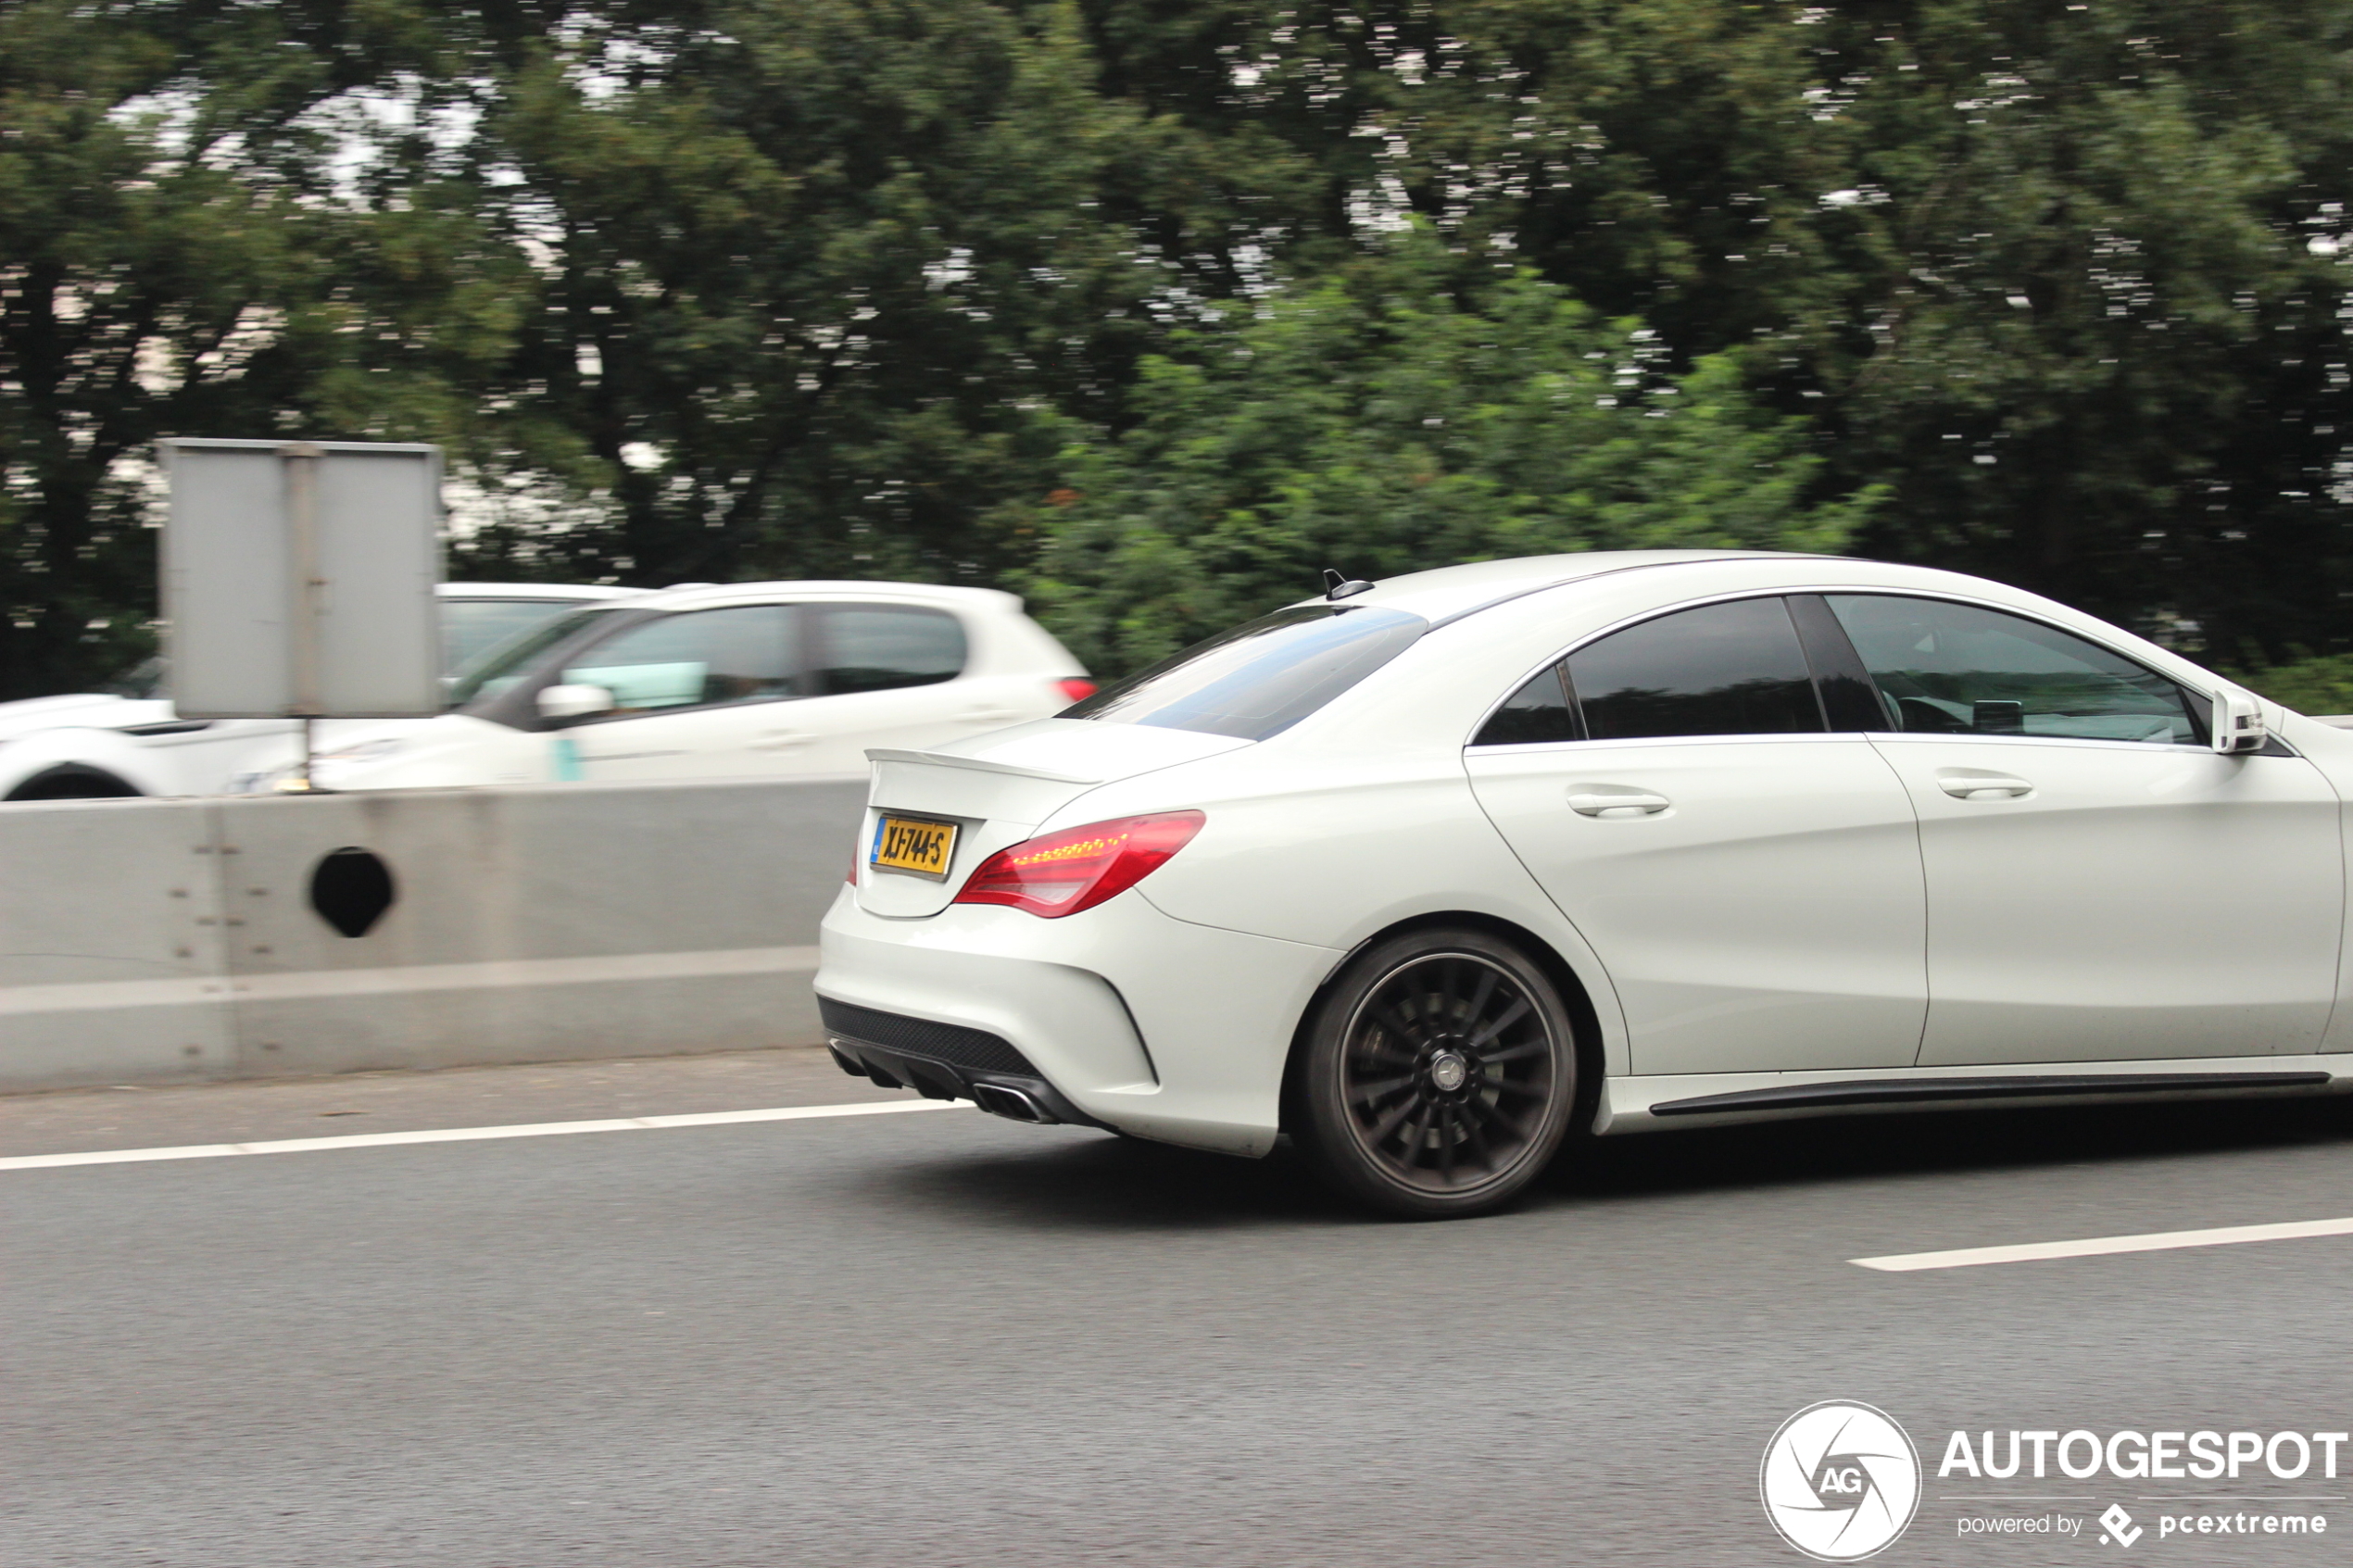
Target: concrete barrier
column 157, row 941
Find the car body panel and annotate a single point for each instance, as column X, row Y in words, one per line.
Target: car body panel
column 2329, row 749
column 1773, row 916
column 2189, row 901
column 1212, row 1056
column 455, row 750
column 831, row 735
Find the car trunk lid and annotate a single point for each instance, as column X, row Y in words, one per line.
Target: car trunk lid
column 997, row 788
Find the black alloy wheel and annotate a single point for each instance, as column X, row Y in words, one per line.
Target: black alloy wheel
column 1438, row 1077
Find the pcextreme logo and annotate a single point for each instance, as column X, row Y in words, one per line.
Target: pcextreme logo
column 1841, row 1481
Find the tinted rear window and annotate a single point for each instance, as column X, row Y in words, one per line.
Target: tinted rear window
column 1261, row 677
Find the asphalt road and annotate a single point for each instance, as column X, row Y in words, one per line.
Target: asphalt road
column 941, row 1338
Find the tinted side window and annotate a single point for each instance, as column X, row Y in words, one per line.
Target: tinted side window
column 1719, row 669
column 695, row 658
column 1538, row 711
column 882, row 647
column 1950, row 669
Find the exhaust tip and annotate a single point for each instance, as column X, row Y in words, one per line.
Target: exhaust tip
column 1012, row 1104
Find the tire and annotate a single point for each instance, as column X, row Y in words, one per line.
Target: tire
column 1437, row 1077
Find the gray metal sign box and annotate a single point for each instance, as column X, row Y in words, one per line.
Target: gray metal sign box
column 298, row 579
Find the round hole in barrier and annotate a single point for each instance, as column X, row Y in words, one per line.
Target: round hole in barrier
column 351, row 889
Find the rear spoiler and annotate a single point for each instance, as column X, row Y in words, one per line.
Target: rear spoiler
column 946, row 760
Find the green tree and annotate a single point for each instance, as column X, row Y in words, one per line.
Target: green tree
column 2322, row 685
column 177, row 258
column 724, row 288
column 807, row 270
column 2068, row 277
column 1393, row 416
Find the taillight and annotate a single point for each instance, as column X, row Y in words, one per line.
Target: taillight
column 1078, row 868
column 1075, row 689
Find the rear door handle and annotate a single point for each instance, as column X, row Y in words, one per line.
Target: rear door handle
column 1963, row 783
column 1629, row 804
column 780, row 740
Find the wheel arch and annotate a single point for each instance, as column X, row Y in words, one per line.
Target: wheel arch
column 1584, row 1020
column 73, row 781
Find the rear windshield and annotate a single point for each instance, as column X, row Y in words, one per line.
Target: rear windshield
column 1261, row 677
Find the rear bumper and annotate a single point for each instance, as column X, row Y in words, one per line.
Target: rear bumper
column 943, row 1062
column 1131, row 1019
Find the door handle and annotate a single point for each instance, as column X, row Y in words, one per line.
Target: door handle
column 780, row 740
column 989, row 716
column 1963, row 784
column 1628, row 803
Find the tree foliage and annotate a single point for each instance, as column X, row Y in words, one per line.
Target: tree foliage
column 737, row 288
column 1380, row 422
column 177, row 258
column 2069, row 278
column 2322, row 685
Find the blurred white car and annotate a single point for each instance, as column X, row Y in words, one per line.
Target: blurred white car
column 738, row 681
column 99, row 745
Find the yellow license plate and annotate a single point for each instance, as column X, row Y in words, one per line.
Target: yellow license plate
column 914, row 846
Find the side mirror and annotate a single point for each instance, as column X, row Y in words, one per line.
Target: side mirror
column 557, row 704
column 2238, row 722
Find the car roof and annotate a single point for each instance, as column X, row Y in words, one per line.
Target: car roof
column 555, row 593
column 702, row 595
column 1449, row 591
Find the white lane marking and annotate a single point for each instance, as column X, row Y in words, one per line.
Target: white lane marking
column 492, row 974
column 2153, row 1241
column 469, row 1135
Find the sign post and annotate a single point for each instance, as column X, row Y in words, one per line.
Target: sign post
column 298, row 580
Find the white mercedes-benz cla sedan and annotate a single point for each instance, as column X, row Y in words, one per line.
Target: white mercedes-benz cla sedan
column 1431, row 873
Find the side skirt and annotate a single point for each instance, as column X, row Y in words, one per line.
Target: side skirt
column 1637, row 1104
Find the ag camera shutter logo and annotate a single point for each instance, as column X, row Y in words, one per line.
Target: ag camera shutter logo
column 1841, row 1481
